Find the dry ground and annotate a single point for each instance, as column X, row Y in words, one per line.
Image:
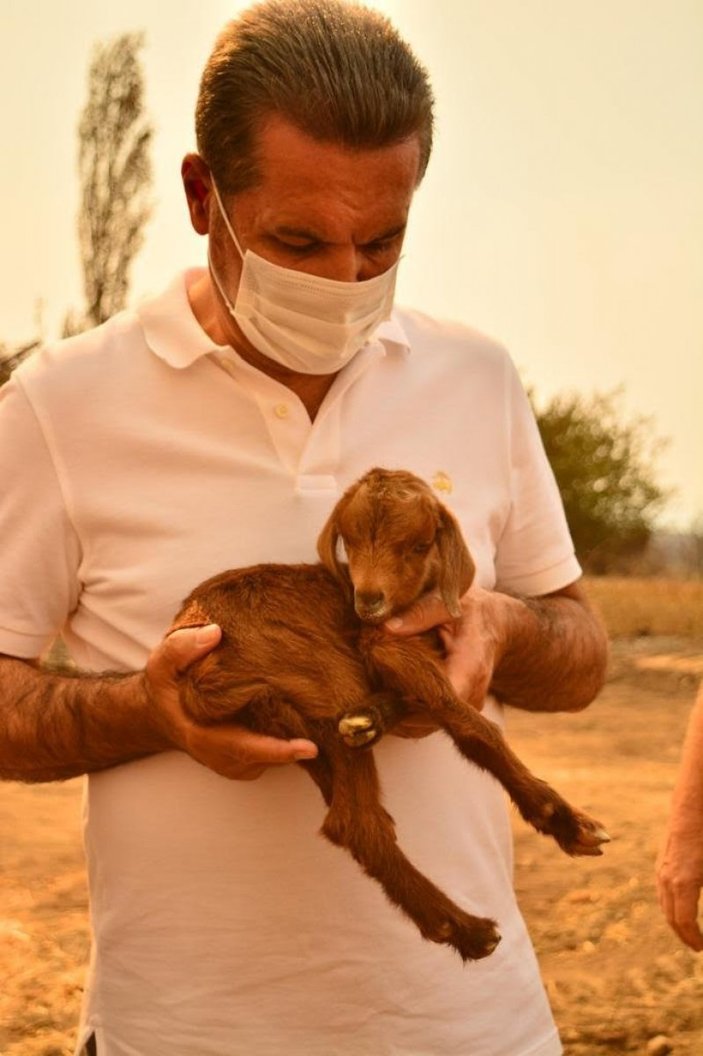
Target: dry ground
column 616, row 976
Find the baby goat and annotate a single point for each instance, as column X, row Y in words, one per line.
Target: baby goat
column 302, row 655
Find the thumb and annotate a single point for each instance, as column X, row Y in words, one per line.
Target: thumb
column 183, row 647
column 427, row 612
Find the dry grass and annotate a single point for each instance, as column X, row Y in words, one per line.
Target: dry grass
column 634, row 607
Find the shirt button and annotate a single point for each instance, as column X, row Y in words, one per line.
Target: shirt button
column 281, row 410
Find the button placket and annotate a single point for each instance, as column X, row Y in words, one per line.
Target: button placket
column 309, row 451
column 320, row 458
column 289, row 427
column 283, row 413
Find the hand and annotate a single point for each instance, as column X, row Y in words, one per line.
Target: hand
column 230, row 750
column 679, row 880
column 414, row 726
column 473, row 642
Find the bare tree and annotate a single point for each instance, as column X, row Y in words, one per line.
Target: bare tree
column 115, row 174
column 12, row 355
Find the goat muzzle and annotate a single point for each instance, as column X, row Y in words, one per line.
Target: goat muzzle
column 371, row 607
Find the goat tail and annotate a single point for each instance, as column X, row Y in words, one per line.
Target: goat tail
column 200, row 685
column 205, row 691
column 213, row 688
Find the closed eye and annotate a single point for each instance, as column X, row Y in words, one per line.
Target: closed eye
column 421, row 548
column 298, row 249
column 386, row 242
column 382, row 245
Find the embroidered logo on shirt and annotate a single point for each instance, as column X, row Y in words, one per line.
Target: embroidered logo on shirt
column 442, row 482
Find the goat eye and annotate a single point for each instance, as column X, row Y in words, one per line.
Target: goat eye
column 421, row 548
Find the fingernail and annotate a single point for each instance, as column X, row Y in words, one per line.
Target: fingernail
column 305, row 753
column 207, row 634
column 394, row 624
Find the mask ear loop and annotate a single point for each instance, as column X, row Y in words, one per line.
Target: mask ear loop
column 225, row 218
column 234, row 238
column 225, row 298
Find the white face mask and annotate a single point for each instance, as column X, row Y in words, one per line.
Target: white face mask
column 307, row 323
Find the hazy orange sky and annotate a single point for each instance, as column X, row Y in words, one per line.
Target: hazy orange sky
column 562, row 212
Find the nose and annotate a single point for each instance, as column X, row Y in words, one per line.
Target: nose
column 350, row 265
column 368, row 603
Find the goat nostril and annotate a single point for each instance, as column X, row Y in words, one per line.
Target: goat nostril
column 369, row 601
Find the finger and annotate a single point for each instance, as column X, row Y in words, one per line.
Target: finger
column 685, row 917
column 183, row 647
column 666, row 901
column 429, row 611
column 660, row 885
column 455, row 670
column 680, row 910
column 690, row 933
column 415, row 728
column 274, row 752
column 471, row 690
column 241, row 755
column 245, row 773
column 259, row 750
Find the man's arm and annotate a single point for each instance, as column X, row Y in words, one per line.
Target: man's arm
column 540, row 654
column 554, row 654
column 680, row 860
column 57, row 726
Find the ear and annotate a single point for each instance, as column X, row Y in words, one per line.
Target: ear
column 457, row 567
column 191, row 615
column 327, row 547
column 196, row 183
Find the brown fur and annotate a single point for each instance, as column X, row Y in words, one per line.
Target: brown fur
column 301, row 656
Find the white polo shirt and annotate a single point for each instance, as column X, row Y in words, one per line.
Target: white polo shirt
column 139, row 459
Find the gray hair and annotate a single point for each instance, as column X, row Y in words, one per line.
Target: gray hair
column 338, row 71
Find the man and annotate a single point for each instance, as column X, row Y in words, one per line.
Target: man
column 215, row 427
column 680, row 860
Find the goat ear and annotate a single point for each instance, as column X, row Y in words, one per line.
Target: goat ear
column 457, row 566
column 327, row 547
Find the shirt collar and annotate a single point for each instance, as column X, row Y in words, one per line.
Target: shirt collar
column 174, row 334
column 392, row 334
column 170, row 329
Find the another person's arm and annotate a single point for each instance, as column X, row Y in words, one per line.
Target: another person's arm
column 680, row 861
column 56, row 726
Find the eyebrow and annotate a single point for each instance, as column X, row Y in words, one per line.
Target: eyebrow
column 312, row 236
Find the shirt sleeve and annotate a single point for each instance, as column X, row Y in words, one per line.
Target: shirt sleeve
column 535, row 554
column 40, row 551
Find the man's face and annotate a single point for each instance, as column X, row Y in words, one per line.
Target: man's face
column 319, row 208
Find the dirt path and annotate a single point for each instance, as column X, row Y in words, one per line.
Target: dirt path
column 616, row 976
column 43, row 918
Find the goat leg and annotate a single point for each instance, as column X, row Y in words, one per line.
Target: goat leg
column 403, row 668
column 320, row 771
column 539, row 804
column 357, row 821
column 362, row 726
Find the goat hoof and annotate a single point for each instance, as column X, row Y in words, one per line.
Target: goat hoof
column 473, row 939
column 576, row 834
column 591, row 835
column 357, row 730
